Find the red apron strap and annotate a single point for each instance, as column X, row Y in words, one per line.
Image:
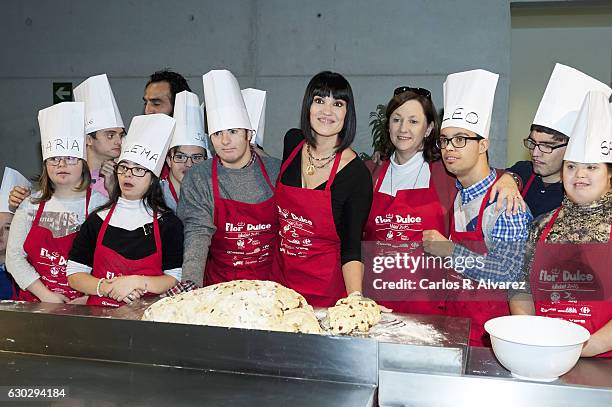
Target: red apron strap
column 484, row 204
column 263, row 170
column 156, row 233
column 172, row 190
column 39, row 211
column 87, row 199
column 528, row 185
column 549, row 225
column 105, row 225
column 334, row 171
column 290, row 159
column 381, row 175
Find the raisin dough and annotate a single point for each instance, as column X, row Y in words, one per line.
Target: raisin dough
column 250, row 304
column 353, row 314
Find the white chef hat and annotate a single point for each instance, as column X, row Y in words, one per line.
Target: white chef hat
column 206, row 145
column 255, row 101
column 62, row 130
column 189, row 118
column 468, row 100
column 564, row 94
column 591, row 138
column 10, row 180
column 101, row 111
column 225, row 108
column 148, row 140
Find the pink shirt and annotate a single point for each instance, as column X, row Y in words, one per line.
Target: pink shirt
column 97, row 183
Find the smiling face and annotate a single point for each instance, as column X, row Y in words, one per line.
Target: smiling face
column 132, row 187
column 460, row 161
column 107, row 143
column 232, row 147
column 327, row 116
column 408, row 128
column 585, row 183
column 64, row 174
column 546, row 164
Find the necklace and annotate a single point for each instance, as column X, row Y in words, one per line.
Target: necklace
column 415, row 181
column 310, row 168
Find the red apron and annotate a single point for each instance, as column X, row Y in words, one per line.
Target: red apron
column 459, row 302
column 308, row 259
column 528, row 185
column 571, row 283
column 245, row 239
column 108, row 263
column 172, row 190
column 49, row 256
column 403, row 218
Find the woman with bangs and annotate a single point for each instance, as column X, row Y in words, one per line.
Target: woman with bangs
column 46, row 224
column 323, row 197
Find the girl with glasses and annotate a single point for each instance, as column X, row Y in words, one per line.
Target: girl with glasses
column 46, row 224
column 133, row 245
column 187, row 147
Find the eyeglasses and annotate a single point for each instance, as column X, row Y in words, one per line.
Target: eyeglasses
column 419, row 91
column 136, row 171
column 545, row 148
column 55, row 161
column 182, row 158
column 456, row 141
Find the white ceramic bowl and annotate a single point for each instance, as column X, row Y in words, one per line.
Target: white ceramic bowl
column 536, row 348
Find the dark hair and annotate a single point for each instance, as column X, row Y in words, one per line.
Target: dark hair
column 431, row 152
column 176, row 81
column 153, row 199
column 46, row 187
column 325, row 84
column 556, row 135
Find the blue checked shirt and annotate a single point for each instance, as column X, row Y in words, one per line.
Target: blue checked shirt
column 504, row 259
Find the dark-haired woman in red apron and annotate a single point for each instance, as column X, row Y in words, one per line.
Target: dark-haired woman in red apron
column 323, row 197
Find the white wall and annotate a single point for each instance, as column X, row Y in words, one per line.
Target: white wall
column 276, row 45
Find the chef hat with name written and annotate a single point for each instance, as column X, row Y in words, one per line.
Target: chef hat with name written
column 468, row 100
column 563, row 97
column 101, row 111
column 591, row 138
column 225, row 108
column 10, row 180
column 189, row 130
column 255, row 101
column 62, row 130
column 148, row 140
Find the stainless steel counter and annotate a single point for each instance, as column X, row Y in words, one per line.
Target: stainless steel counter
column 487, row 383
column 104, row 359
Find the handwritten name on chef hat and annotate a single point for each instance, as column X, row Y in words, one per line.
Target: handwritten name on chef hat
column 591, row 137
column 62, row 130
column 148, row 140
column 468, row 100
column 101, row 111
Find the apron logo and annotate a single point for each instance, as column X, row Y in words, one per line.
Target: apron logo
column 408, row 219
column 576, row 276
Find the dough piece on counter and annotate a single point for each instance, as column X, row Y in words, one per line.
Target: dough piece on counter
column 353, row 314
column 250, row 304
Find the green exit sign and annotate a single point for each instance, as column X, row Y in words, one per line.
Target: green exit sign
column 62, row 92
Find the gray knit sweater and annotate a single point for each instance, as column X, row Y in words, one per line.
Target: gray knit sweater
column 196, row 205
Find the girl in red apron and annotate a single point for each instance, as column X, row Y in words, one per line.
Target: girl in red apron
column 132, row 246
column 46, row 224
column 571, row 247
column 322, row 183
